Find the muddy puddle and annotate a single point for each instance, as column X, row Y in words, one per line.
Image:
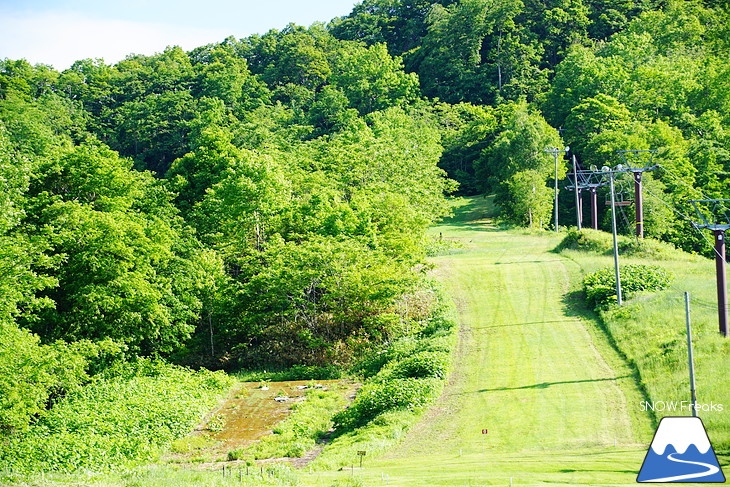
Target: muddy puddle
column 253, row 409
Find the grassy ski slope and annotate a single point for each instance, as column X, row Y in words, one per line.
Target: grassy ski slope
column 559, row 405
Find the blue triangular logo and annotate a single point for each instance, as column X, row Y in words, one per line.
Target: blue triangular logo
column 681, row 452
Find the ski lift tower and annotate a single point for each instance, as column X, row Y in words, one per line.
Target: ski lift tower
column 593, row 180
column 638, row 172
column 715, row 215
column 611, row 172
column 590, row 180
column 555, row 151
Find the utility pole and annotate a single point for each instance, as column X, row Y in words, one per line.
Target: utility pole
column 555, row 151
column 578, row 207
column 594, row 207
column 715, row 216
column 638, row 194
column 610, row 172
column 720, row 271
column 592, row 180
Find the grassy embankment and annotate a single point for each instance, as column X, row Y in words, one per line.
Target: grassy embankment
column 650, row 331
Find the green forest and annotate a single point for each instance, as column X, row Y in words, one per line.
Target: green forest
column 261, row 203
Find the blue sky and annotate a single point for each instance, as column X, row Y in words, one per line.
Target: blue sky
column 59, row 32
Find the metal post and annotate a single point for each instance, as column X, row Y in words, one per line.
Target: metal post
column 594, row 208
column 639, row 202
column 580, row 203
column 693, row 392
column 555, row 153
column 721, row 280
column 578, row 212
column 615, row 241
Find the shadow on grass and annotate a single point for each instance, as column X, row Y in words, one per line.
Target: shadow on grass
column 528, row 262
column 545, row 385
column 575, row 305
column 582, row 470
column 474, row 212
column 527, row 323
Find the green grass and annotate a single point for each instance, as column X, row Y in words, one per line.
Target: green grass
column 650, row 331
column 115, row 423
column 557, row 387
column 309, row 421
column 534, row 368
column 164, row 476
column 401, row 381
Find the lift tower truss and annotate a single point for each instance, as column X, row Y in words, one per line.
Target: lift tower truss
column 715, row 215
column 642, row 162
column 591, row 180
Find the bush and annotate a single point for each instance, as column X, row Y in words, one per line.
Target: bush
column 588, row 240
column 376, row 398
column 600, row 287
column 372, row 363
column 116, row 421
column 422, row 365
column 439, row 246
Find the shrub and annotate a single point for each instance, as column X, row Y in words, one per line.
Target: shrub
column 295, row 372
column 439, row 246
column 422, row 365
column 376, row 398
column 588, row 240
column 216, row 423
column 116, row 421
column 372, row 363
column 600, row 287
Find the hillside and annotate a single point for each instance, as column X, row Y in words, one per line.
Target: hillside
column 269, row 203
column 536, row 369
column 532, row 368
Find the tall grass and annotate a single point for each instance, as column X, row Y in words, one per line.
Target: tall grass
column 275, row 474
column 400, row 382
column 116, row 421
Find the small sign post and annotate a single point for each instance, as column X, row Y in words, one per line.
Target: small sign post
column 361, row 454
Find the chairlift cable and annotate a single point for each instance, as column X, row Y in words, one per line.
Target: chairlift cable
column 711, row 244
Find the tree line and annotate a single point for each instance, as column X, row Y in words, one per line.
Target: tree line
column 608, row 75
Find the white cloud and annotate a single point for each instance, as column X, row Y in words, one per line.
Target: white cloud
column 59, row 39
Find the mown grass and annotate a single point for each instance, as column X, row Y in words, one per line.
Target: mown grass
column 650, row 331
column 533, row 368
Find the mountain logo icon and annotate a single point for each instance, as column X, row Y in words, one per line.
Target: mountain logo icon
column 681, row 452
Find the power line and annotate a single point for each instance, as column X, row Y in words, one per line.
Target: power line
column 688, row 185
column 719, row 246
column 686, row 217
